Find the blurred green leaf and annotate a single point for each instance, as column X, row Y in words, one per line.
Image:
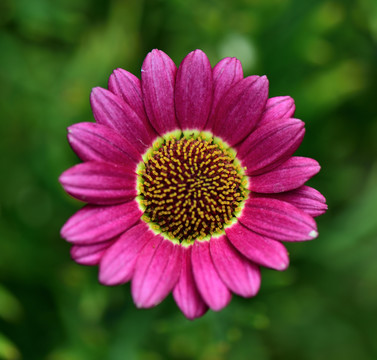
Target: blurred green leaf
column 8, row 350
column 10, row 307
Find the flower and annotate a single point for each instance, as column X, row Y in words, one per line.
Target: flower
column 190, row 183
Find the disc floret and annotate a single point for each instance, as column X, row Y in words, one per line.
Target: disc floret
column 190, row 186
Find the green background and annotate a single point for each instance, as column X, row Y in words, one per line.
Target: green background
column 322, row 53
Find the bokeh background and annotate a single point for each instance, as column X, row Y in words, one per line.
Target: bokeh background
column 321, row 52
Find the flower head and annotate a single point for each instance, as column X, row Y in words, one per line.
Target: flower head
column 190, row 182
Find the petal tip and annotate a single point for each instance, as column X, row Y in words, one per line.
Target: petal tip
column 264, row 80
column 61, row 178
column 153, row 54
column 313, row 234
column 95, row 90
column 284, row 264
column 63, row 232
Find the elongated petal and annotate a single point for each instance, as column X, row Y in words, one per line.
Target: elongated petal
column 240, row 109
column 259, row 249
column 278, row 220
column 157, row 84
column 210, row 286
column 279, row 107
column 238, row 273
column 157, row 271
column 89, row 254
column 271, row 144
column 128, row 87
column 193, row 91
column 288, row 176
column 99, row 183
column 96, row 142
column 118, row 263
column 305, row 198
column 226, row 73
column 94, row 224
column 185, row 292
column 112, row 111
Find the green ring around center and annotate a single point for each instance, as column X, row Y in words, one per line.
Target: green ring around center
column 208, row 140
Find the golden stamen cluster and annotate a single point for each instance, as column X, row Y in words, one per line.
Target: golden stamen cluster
column 191, row 188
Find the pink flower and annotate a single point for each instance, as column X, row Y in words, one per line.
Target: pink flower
column 190, row 183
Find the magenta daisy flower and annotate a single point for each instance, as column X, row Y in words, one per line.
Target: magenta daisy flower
column 190, row 183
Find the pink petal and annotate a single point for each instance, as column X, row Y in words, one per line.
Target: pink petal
column 240, row 109
column 112, row 111
column 89, row 254
column 278, row 220
column 157, row 83
column 270, row 143
column 127, row 87
column 94, row 224
column 210, row 286
column 185, row 292
column 156, row 272
column 305, row 198
column 238, row 273
column 193, row 91
column 288, row 176
column 96, row 142
column 99, row 183
column 225, row 74
column 118, row 263
column 279, row 107
column 257, row 248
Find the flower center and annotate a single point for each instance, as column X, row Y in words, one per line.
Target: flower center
column 191, row 188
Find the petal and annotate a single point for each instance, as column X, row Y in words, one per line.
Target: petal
column 89, row 254
column 157, row 84
column 157, row 271
column 93, row 224
column 118, row 263
column 278, row 220
column 210, row 286
column 99, row 183
column 240, row 109
column 193, row 91
column 257, row 248
column 270, row 143
column 225, row 74
column 185, row 292
column 279, row 107
column 128, row 87
column 112, row 111
column 305, row 198
column 96, row 142
column 238, row 273
column 288, row 176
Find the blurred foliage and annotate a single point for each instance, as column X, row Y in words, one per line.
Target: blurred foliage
column 321, row 52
